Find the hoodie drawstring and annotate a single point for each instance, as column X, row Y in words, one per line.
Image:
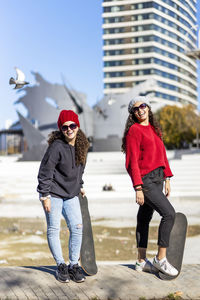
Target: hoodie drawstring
column 73, row 161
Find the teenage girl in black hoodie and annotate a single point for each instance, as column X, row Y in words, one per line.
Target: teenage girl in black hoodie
column 60, row 182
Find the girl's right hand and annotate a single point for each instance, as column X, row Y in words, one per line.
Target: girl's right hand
column 139, row 197
column 47, row 204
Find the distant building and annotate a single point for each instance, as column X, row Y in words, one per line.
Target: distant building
column 149, row 39
column 12, row 140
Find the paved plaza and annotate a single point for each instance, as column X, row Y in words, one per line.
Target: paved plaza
column 111, row 282
column 116, row 280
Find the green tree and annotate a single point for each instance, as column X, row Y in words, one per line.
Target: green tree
column 179, row 125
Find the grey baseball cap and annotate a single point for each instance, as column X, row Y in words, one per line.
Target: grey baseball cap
column 137, row 99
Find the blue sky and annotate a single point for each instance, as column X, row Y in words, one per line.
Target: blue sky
column 50, row 37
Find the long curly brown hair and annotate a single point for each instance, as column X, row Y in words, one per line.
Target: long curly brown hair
column 132, row 120
column 81, row 144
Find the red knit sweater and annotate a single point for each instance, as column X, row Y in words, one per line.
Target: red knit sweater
column 145, row 152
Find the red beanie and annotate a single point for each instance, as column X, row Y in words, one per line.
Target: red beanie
column 67, row 115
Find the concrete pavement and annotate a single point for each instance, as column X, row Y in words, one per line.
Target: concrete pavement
column 18, row 198
column 111, row 282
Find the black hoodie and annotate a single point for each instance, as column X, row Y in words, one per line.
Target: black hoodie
column 58, row 174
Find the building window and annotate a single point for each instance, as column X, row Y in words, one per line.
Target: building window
column 113, row 20
column 166, row 96
column 114, row 74
column 114, row 85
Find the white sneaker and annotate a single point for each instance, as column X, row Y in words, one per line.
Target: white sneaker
column 145, row 266
column 164, row 266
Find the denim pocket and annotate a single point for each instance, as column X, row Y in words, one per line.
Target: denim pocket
column 155, row 176
column 158, row 176
column 147, row 182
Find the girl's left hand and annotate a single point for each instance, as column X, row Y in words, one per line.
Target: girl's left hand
column 167, row 188
column 82, row 192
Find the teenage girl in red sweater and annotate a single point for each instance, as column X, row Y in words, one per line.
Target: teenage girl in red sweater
column 148, row 167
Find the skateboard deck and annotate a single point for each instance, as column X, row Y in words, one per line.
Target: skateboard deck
column 176, row 245
column 87, row 255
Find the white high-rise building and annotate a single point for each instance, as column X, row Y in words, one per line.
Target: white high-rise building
column 149, row 39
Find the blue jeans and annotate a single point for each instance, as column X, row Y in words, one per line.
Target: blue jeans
column 70, row 209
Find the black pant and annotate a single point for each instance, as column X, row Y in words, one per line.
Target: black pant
column 154, row 199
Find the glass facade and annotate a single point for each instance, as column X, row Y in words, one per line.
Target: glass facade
column 149, row 39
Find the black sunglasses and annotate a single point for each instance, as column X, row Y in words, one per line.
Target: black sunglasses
column 71, row 126
column 136, row 108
